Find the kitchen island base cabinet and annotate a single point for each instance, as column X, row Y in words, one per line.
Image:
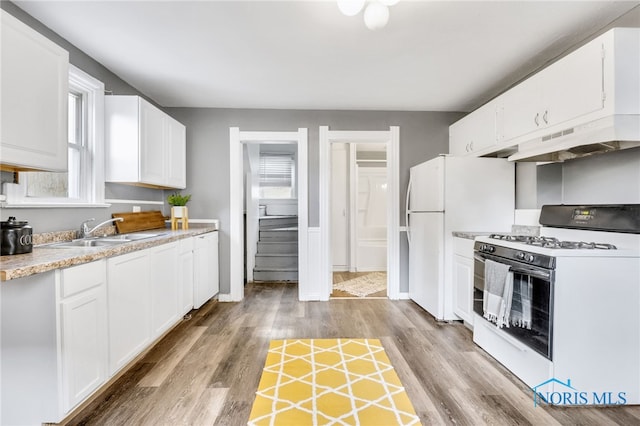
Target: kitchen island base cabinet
column 53, row 342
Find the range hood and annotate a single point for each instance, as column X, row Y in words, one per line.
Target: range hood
column 611, row 133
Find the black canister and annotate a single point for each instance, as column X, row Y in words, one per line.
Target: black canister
column 16, row 237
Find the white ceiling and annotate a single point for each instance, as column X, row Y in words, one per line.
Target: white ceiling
column 432, row 56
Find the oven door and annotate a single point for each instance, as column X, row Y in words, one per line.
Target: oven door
column 540, row 336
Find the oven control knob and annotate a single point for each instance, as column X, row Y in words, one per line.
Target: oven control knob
column 492, row 249
column 520, row 255
column 530, row 258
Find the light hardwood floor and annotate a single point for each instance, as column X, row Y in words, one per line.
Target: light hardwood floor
column 207, row 369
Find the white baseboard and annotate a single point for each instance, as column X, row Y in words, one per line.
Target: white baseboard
column 226, row 298
column 403, row 296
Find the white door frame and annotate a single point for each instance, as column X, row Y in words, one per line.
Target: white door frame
column 236, row 231
column 392, row 140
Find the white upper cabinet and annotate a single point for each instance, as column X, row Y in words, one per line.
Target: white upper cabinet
column 567, row 89
column 34, row 96
column 475, row 132
column 595, row 82
column 144, row 145
column 177, row 133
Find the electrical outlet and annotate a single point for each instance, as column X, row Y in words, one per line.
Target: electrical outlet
column 136, row 209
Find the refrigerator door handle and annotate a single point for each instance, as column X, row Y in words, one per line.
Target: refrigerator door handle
column 407, row 227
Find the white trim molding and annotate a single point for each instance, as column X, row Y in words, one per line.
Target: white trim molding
column 236, row 190
column 121, row 201
column 392, row 140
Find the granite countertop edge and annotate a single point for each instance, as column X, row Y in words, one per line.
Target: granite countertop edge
column 43, row 259
column 515, row 230
column 470, row 235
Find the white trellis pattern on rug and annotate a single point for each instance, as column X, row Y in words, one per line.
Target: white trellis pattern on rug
column 330, row 381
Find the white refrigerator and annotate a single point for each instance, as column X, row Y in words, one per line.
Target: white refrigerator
column 448, row 194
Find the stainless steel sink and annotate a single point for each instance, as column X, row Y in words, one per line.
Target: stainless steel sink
column 134, row 236
column 107, row 241
column 85, row 242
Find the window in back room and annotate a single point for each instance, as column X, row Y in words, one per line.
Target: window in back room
column 277, row 175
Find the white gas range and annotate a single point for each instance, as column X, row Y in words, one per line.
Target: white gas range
column 574, row 306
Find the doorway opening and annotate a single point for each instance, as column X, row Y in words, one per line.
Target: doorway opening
column 387, row 141
column 358, row 205
column 271, row 212
column 245, row 160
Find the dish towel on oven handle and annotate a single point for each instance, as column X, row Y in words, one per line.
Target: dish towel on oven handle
column 498, row 292
column 521, row 305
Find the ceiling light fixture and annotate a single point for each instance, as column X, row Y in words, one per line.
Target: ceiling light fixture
column 350, row 7
column 376, row 13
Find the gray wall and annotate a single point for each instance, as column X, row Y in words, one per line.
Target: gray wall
column 423, row 135
column 612, row 178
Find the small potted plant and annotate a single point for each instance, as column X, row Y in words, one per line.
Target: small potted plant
column 178, row 204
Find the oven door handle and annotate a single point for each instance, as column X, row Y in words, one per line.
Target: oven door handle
column 518, row 268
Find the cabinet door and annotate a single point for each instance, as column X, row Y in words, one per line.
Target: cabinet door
column 177, row 155
column 163, row 281
column 129, row 308
column 185, row 274
column 573, row 86
column 152, row 145
column 475, row 132
column 34, row 96
column 520, row 109
column 205, row 259
column 463, row 287
column 83, row 331
column 84, row 344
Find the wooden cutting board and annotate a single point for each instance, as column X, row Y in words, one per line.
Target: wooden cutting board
column 140, row 221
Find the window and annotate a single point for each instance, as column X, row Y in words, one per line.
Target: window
column 83, row 183
column 277, row 175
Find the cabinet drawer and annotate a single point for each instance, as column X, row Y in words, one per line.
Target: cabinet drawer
column 82, row 277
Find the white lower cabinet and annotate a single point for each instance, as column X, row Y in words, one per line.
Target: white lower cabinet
column 165, row 294
column 205, row 268
column 65, row 333
column 129, row 308
column 185, row 274
column 83, row 326
column 53, row 342
column 463, row 279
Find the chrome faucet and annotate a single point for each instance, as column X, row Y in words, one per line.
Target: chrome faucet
column 86, row 232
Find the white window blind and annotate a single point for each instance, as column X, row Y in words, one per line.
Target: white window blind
column 276, row 170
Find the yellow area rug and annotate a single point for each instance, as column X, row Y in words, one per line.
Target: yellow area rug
column 330, row 382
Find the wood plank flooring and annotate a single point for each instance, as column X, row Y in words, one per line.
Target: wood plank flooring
column 206, row 371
